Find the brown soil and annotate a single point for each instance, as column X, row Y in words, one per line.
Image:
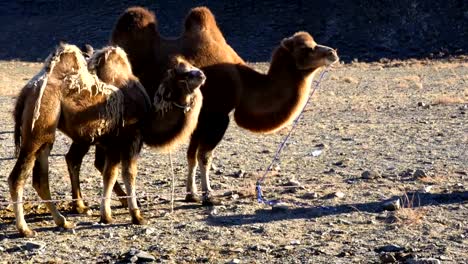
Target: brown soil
column 397, row 119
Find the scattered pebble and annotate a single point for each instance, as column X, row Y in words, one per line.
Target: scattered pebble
column 295, row 242
column 392, row 205
column 293, row 182
column 260, row 248
column 148, row 231
column 311, row 195
column 277, row 207
column 418, row 174
column 427, row 189
column 234, row 261
column 370, row 175
column 237, row 250
column 289, row 247
column 316, row 153
column 390, row 248
column 339, row 194
column 239, row 174
column 145, row 256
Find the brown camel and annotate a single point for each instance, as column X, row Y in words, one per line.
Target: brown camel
column 105, row 115
column 65, row 95
column 262, row 102
column 176, row 106
column 250, row 93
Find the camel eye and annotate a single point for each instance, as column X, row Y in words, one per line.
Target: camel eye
column 308, row 50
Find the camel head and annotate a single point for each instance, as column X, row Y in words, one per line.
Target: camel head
column 307, row 54
column 111, row 65
column 180, row 84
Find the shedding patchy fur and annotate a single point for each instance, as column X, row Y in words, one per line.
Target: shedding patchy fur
column 67, row 96
column 177, row 101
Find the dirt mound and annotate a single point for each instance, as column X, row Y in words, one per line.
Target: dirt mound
column 362, row 29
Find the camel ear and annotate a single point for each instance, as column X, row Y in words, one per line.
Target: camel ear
column 288, row 43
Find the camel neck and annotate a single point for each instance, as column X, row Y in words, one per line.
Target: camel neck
column 270, row 101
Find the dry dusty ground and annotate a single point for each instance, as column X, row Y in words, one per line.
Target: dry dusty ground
column 404, row 121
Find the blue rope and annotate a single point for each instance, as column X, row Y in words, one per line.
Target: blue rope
column 258, row 187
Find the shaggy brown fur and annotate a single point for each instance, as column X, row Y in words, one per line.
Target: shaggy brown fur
column 262, row 103
column 176, row 106
column 87, row 110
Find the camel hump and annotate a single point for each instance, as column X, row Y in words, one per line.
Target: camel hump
column 200, row 17
column 135, row 18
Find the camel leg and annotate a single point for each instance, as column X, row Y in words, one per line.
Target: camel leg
column 211, row 134
column 99, row 159
column 24, row 165
column 74, row 159
column 41, row 184
column 129, row 173
column 109, row 177
column 192, row 195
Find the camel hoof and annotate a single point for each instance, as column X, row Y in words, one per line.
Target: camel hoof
column 81, row 210
column 137, row 219
column 68, row 225
column 106, row 220
column 192, row 198
column 27, row 233
column 211, row 201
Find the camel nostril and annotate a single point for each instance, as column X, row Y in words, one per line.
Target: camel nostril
column 194, row 74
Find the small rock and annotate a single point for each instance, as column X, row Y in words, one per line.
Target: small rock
column 214, row 211
column 148, row 231
column 239, row 174
column 406, row 173
column 289, row 247
column 295, row 242
column 144, row 256
column 316, row 153
column 277, row 207
column 339, row 194
column 260, row 248
column 370, row 175
column 330, row 171
column 32, row 246
column 427, row 189
column 293, row 182
column 419, row 174
column 237, row 250
column 311, row 195
column 234, row 261
column 389, row 248
column 134, row 259
column 340, row 163
column 392, row 205
column 108, row 235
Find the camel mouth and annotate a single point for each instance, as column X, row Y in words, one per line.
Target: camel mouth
column 196, row 78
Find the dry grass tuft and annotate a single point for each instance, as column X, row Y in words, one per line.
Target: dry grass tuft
column 412, row 82
column 351, row 80
column 447, row 100
column 409, row 214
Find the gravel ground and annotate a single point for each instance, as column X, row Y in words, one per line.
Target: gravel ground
column 375, row 138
